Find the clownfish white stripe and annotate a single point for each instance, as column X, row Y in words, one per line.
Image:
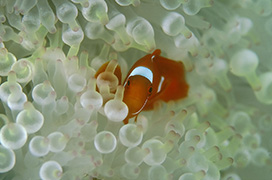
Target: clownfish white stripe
column 159, row 87
column 143, row 71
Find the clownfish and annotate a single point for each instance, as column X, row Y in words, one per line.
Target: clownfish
column 150, row 79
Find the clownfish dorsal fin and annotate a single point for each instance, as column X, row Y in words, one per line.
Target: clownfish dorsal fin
column 156, row 53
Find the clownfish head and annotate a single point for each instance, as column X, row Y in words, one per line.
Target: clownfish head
column 138, row 88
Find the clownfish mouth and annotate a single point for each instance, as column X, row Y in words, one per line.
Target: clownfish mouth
column 135, row 104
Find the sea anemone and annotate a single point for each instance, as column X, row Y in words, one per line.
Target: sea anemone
column 55, row 123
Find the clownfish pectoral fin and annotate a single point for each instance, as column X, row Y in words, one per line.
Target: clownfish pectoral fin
column 136, row 117
column 117, row 71
column 125, row 121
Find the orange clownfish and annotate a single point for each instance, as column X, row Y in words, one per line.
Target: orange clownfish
column 150, row 79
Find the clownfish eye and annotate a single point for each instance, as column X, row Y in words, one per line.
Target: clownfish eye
column 128, row 82
column 150, row 90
